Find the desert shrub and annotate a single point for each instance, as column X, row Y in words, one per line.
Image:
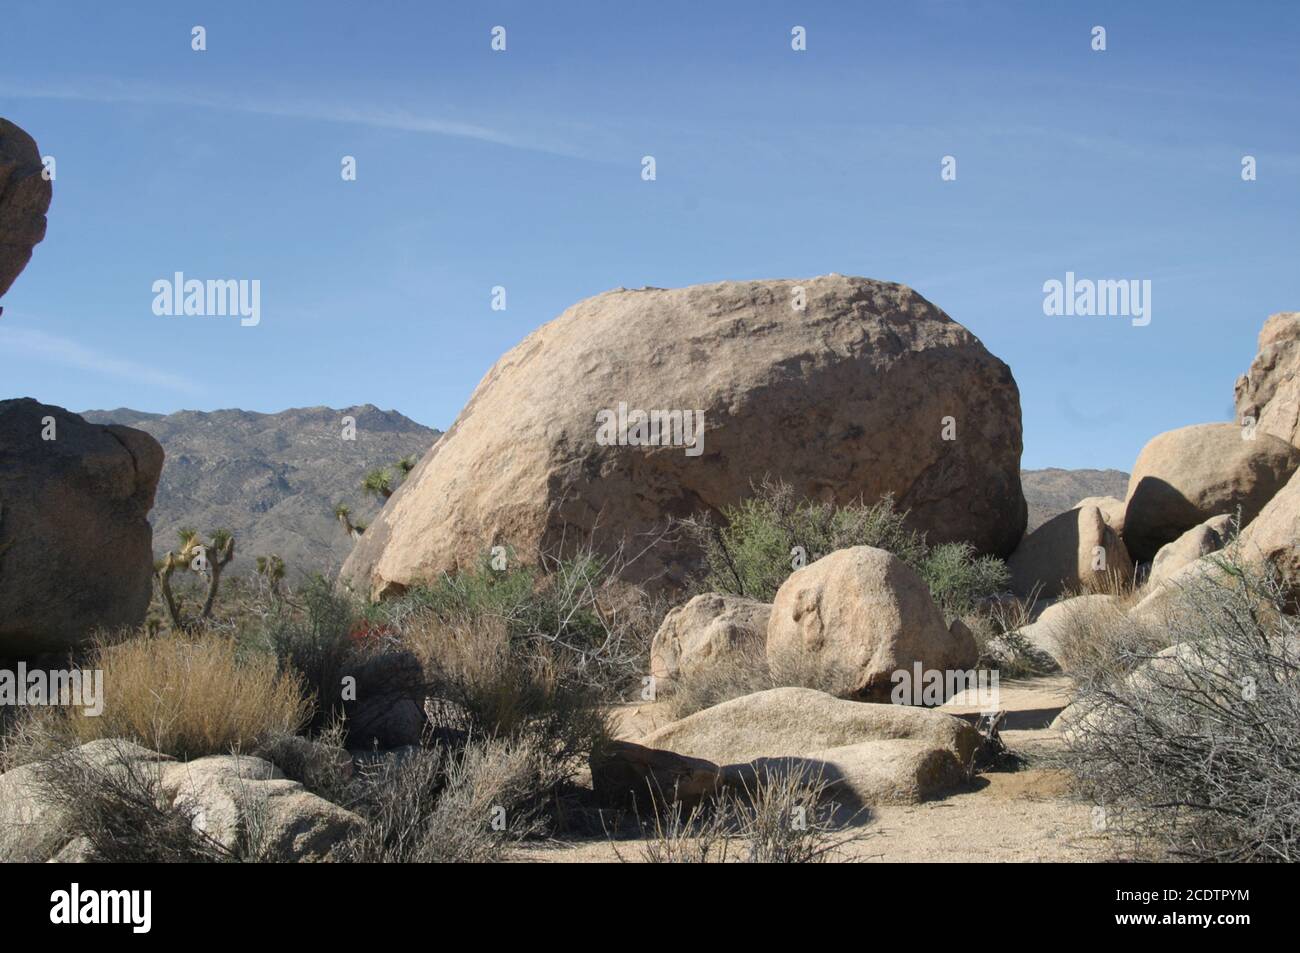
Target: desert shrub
column 434, row 806
column 750, row 553
column 1100, row 644
column 575, row 604
column 189, row 696
column 959, row 579
column 315, row 643
column 30, row 734
column 487, row 682
column 779, row 818
column 124, row 814
column 1196, row 754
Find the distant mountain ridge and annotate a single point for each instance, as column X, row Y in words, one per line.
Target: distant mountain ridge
column 1053, row 490
column 272, row 479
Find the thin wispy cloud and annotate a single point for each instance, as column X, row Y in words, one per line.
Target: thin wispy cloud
column 41, row 346
column 114, row 92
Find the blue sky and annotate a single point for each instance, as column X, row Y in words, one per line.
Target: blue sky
column 522, row 169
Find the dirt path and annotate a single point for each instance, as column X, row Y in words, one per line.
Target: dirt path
column 1024, row 815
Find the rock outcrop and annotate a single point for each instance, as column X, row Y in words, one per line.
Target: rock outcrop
column 1184, row 477
column 868, row 753
column 1075, row 551
column 867, row 389
column 1208, row 537
column 710, row 630
column 241, row 803
column 1269, row 392
column 1272, row 539
column 858, row 616
column 25, row 195
column 75, row 542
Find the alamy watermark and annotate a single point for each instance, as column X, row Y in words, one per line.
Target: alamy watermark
column 1125, row 297
column 655, row 428
column 66, row 688
column 931, row 687
column 179, row 295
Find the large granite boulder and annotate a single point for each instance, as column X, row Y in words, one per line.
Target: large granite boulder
column 25, row 195
column 75, row 544
column 867, row 389
column 1184, row 477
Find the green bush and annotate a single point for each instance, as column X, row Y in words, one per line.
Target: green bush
column 752, row 552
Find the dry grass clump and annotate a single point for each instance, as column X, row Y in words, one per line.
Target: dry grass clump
column 435, row 806
column 189, row 696
column 485, row 682
column 780, row 818
column 1097, row 643
column 1195, row 754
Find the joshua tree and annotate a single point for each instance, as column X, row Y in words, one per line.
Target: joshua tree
column 206, row 559
column 379, row 482
column 344, row 516
column 271, row 568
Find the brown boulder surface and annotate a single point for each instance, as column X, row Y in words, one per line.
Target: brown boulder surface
column 1184, row 477
column 860, row 615
column 1062, row 555
column 1270, row 390
column 24, row 199
column 75, row 542
column 708, row 630
column 844, row 399
column 624, row 774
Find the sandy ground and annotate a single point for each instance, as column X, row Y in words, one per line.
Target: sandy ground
column 1024, row 815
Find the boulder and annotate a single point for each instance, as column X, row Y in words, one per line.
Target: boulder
column 1184, row 477
column 850, row 397
column 25, row 195
column 1269, row 392
column 76, row 549
column 711, row 629
column 868, row 753
column 858, row 616
column 1074, row 551
column 1112, row 510
column 389, row 709
column 1201, row 540
column 628, row 775
column 229, row 796
column 1272, row 539
column 31, row 825
column 240, row 800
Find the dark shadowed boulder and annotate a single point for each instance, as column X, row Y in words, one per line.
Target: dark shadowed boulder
column 24, row 199
column 75, row 550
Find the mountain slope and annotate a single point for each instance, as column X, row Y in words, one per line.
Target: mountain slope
column 1053, row 490
column 272, row 479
